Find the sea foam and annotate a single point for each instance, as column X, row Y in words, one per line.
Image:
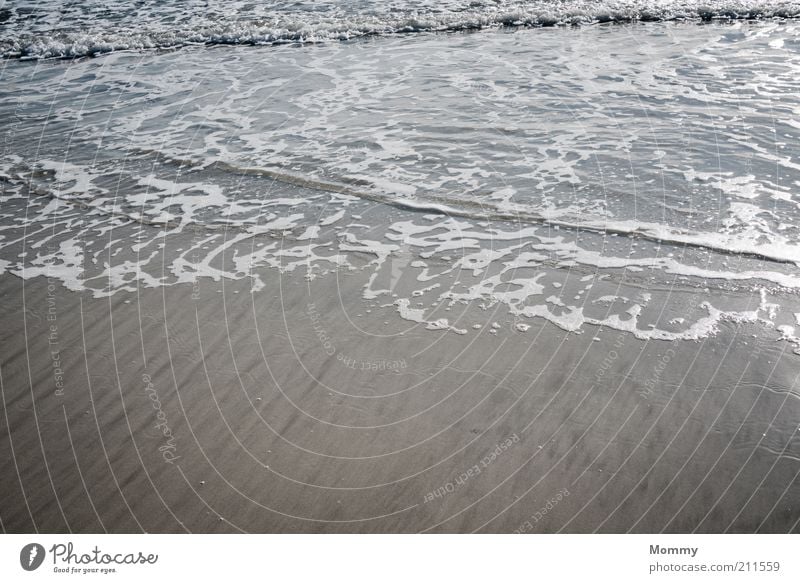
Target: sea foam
column 276, row 24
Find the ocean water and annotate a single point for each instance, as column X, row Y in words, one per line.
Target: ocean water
column 631, row 165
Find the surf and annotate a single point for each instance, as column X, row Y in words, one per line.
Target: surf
column 265, row 27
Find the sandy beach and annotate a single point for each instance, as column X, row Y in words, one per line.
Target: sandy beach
column 452, row 266
column 210, row 409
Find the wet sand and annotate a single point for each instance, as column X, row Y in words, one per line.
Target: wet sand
column 207, row 408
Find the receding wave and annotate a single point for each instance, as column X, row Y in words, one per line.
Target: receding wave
column 777, row 252
column 308, row 28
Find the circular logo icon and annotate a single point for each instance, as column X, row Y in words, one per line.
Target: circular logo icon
column 31, row 556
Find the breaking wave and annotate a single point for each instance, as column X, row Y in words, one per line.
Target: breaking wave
column 282, row 26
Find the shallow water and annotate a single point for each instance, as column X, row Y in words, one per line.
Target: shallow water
column 556, row 171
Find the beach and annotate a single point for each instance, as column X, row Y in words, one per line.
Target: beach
column 282, row 412
column 442, row 272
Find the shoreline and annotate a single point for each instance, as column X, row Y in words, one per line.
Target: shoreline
column 271, row 434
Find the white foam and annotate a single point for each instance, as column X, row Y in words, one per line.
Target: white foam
column 418, row 315
column 240, row 25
